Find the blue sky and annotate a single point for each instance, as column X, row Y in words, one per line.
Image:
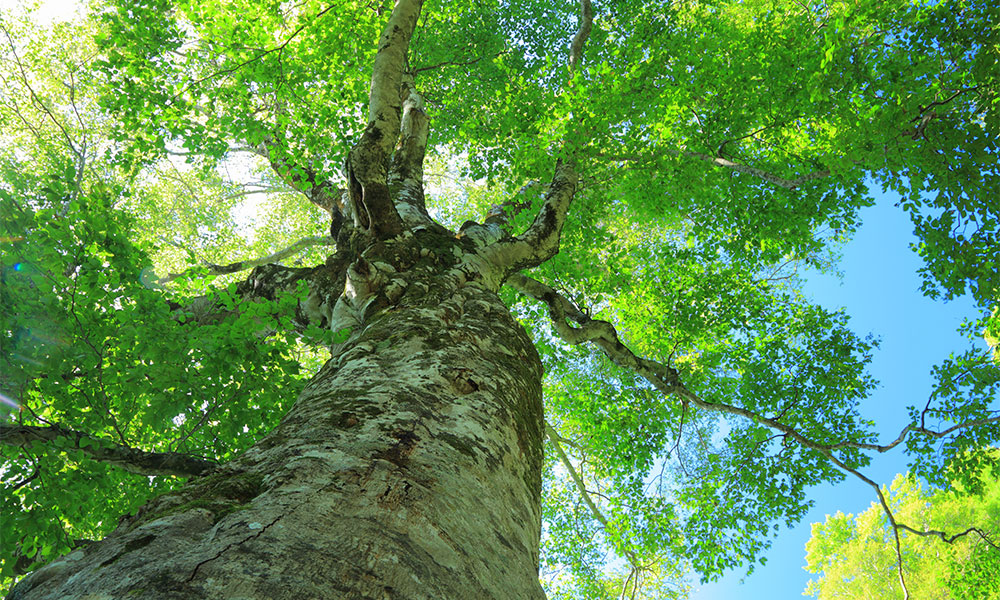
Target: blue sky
column 880, row 289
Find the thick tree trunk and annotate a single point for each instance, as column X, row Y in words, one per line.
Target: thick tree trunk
column 410, row 467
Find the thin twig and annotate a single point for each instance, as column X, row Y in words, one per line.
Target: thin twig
column 262, row 54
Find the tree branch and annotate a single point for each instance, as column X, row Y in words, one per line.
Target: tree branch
column 267, row 282
column 81, row 152
column 541, row 240
column 577, row 480
column 451, row 63
column 125, row 457
column 501, row 214
column 34, row 97
column 407, row 169
column 497, row 223
column 949, row 539
column 243, row 265
column 367, row 161
column 666, row 380
column 261, row 54
column 582, row 488
column 718, row 161
column 586, row 24
column 601, row 333
column 320, row 191
column 790, row 184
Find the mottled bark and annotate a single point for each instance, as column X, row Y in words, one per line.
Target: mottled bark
column 368, row 161
column 410, row 467
column 406, row 172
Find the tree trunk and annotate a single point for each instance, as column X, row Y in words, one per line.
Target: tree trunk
column 410, row 466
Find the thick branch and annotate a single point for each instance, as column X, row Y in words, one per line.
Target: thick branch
column 320, row 191
column 407, row 169
column 915, row 429
column 502, row 214
column 600, row 333
column 497, row 223
column 384, row 102
column 586, row 24
column 367, row 162
column 267, row 282
column 243, row 265
column 665, row 379
column 541, row 241
column 129, row 459
column 325, row 282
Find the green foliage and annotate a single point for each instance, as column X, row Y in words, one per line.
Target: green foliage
column 90, row 344
column 855, row 556
column 89, row 340
column 723, row 147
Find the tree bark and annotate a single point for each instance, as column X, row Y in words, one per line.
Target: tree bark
column 409, row 467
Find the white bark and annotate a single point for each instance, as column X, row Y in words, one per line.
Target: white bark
column 368, row 161
column 407, row 170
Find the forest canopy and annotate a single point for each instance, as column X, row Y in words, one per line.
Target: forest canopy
column 852, row 558
column 178, row 179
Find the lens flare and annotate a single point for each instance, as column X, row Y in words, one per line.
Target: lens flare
column 5, row 400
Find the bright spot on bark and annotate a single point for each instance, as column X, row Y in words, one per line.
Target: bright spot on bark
column 255, row 526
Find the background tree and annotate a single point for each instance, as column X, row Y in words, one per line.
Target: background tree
column 641, row 180
column 853, row 555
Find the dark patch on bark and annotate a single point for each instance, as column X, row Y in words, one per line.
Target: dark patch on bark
column 464, row 445
column 380, row 303
column 461, row 380
column 503, row 540
column 345, row 420
column 399, row 453
column 219, row 493
column 130, row 546
column 395, row 496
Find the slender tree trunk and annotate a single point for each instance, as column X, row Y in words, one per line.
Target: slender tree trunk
column 410, row 467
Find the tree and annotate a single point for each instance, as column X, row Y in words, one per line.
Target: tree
column 853, row 557
column 646, row 180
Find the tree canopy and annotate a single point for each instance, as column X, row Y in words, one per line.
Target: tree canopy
column 154, row 151
column 852, row 555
